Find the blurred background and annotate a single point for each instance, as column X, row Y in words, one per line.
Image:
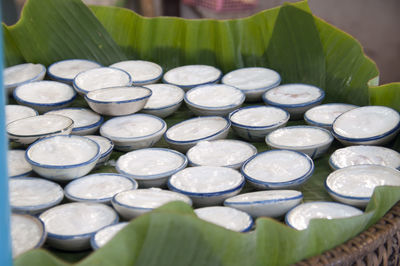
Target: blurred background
column 376, row 24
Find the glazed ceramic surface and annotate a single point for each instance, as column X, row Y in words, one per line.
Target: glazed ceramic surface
column 324, row 115
column 20, row 74
column 17, row 165
column 15, row 112
column 164, row 100
column 104, row 235
column 106, row 147
column 142, row 72
column 66, row 70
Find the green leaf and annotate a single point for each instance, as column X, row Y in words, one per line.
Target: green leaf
column 12, row 56
column 388, row 95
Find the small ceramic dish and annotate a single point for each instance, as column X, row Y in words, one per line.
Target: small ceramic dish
column 207, row 185
column 190, row 76
column 253, row 123
column 142, row 72
column 313, row 141
column 106, row 147
column 15, row 112
column 269, row 203
column 132, row 203
column 368, row 125
column 32, row 195
column 17, row 165
column 17, row 75
column 134, row 132
column 63, row 158
column 85, row 121
column 253, row 81
column 359, row 155
column 27, row 232
column 229, row 218
column 99, row 188
column 278, row 169
column 151, row 167
column 354, row 185
column 214, row 99
column 300, row 216
column 117, row 101
column 294, row 98
column 70, row 226
column 104, row 235
column 324, row 115
column 224, row 152
column 164, row 100
column 66, row 70
column 100, row 78
column 27, row 130
column 188, row 133
column 44, row 95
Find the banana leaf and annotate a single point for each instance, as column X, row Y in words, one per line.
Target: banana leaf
column 289, row 39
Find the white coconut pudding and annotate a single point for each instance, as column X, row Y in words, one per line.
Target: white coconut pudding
column 253, row 81
column 98, row 187
column 15, row 112
column 164, row 101
column 16, row 164
column 19, row 74
column 358, row 155
column 313, row 141
column 371, row 125
column 71, row 225
column 27, row 232
column 106, row 147
column 224, row 152
column 44, row 95
column 142, row 72
column 103, row 236
column 277, row 169
column 354, row 185
column 324, row 115
column 151, row 167
column 100, row 78
column 190, row 76
column 66, row 70
column 226, row 217
column 299, row 217
column 85, row 121
column 33, row 195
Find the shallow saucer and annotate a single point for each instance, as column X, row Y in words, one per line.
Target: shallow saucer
column 17, row 165
column 66, row 70
column 17, row 75
column 15, row 112
column 142, row 72
column 104, row 235
column 324, row 115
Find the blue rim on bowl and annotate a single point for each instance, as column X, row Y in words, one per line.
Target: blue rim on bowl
column 41, row 223
column 43, row 72
column 108, row 151
column 330, row 191
column 93, row 243
column 86, row 96
column 319, row 124
column 55, row 77
column 267, row 201
column 146, row 81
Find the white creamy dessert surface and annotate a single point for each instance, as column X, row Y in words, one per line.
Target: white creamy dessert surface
column 163, row 95
column 131, row 126
column 215, row 95
column 260, row 116
column 68, row 69
column 293, row 94
column 192, row 75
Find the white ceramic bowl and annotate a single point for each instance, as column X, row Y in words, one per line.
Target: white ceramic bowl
column 100, row 187
column 269, row 203
column 44, row 95
column 100, row 78
column 313, row 141
column 15, row 112
column 17, row 165
column 142, row 72
column 104, row 235
column 229, row 218
column 132, row 203
column 70, row 226
column 17, row 75
column 294, row 98
column 186, row 134
column 66, row 70
column 325, row 114
column 27, row 232
column 354, row 185
column 224, row 152
column 253, row 81
column 253, row 123
column 359, row 155
column 151, row 167
column 278, row 169
column 134, row 132
column 207, row 185
column 214, row 99
column 63, row 158
column 164, row 101
column 106, row 148
column 299, row 217
column 368, row 125
column 27, row 130
column 85, row 121
column 118, row 101
column 190, row 76
column 33, row 195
